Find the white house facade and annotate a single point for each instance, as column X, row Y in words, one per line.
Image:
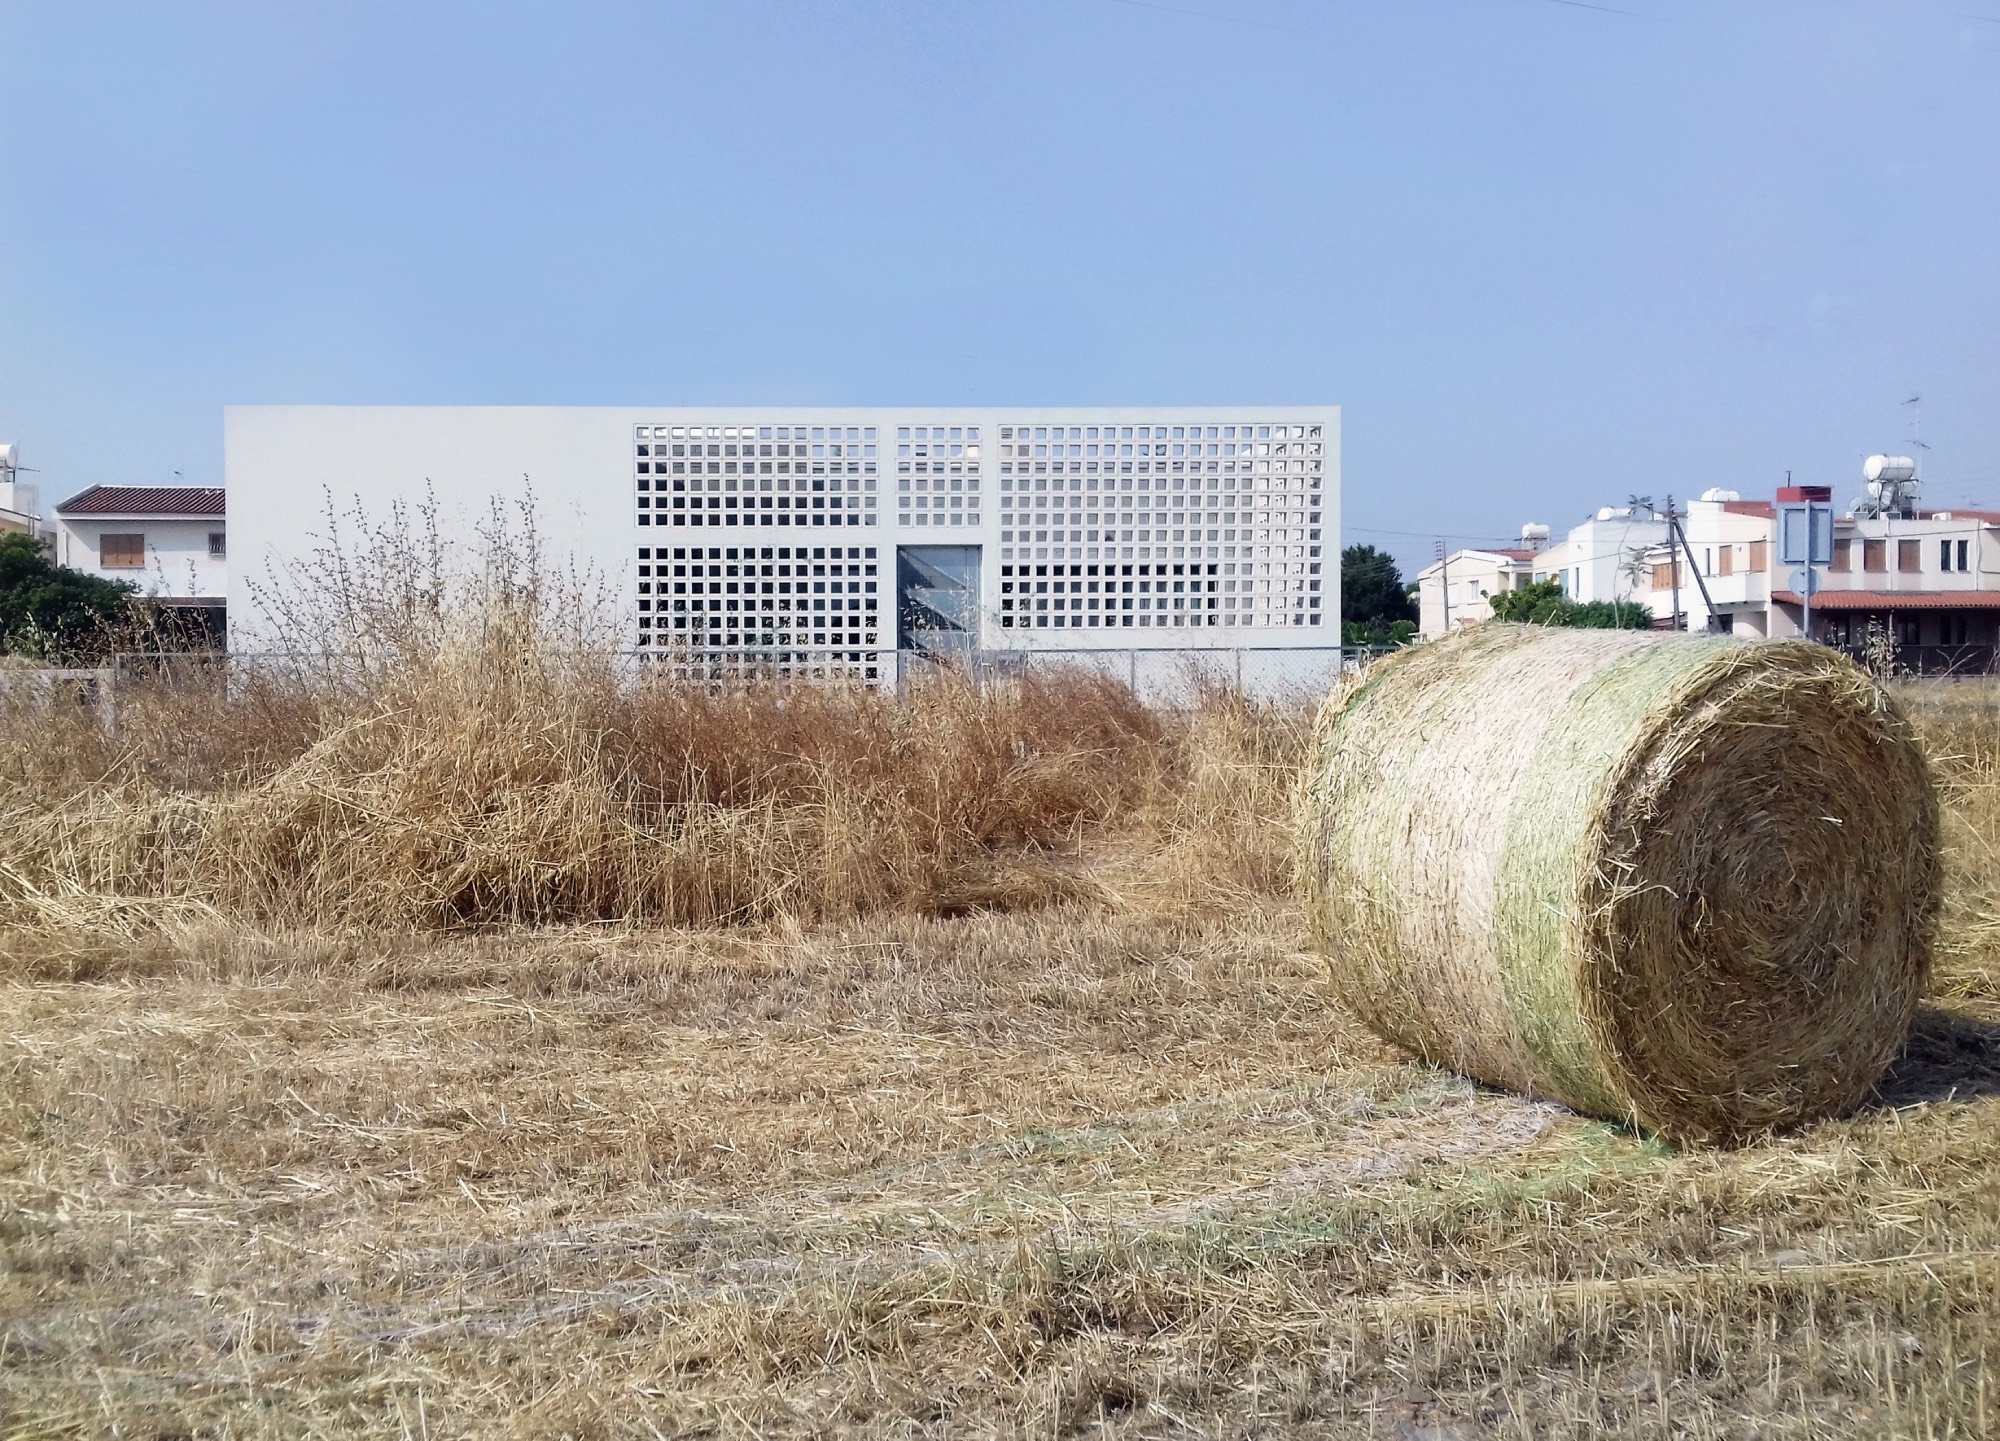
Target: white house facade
column 1458, row 589
column 170, row 541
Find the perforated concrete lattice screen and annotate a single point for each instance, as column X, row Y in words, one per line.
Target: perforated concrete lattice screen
column 778, row 610
column 755, row 475
column 1240, row 508
column 1077, row 521
column 937, row 475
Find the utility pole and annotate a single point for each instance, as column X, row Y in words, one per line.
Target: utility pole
column 1674, row 562
column 1444, row 583
column 1680, row 536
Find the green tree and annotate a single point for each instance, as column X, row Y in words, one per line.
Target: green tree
column 1375, row 603
column 1543, row 603
column 50, row 611
column 1396, row 632
column 1539, row 603
column 1610, row 615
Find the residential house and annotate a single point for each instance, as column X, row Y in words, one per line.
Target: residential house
column 20, row 507
column 1927, row 581
column 170, row 541
column 1603, row 558
column 1726, row 588
column 1458, row 589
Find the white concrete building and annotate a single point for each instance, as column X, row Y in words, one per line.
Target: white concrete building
column 171, row 541
column 1604, row 557
column 20, row 503
column 1730, row 539
column 1459, row 589
column 780, row 537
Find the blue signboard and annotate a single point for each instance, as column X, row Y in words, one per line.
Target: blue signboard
column 1805, row 533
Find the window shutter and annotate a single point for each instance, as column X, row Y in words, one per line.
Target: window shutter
column 121, row 551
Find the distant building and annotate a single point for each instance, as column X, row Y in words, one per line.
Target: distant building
column 18, row 522
column 20, row 507
column 1604, row 557
column 1926, row 582
column 1459, row 589
column 171, row 541
column 1730, row 539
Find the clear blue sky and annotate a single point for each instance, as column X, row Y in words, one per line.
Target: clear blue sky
column 1546, row 254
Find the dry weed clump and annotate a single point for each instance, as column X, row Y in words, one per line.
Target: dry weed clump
column 432, row 748
column 1960, row 725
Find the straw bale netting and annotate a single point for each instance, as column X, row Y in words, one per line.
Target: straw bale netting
column 1688, row 883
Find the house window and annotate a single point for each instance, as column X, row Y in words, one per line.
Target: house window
column 1909, row 555
column 121, row 551
column 218, row 545
column 1874, row 555
column 1726, row 560
column 1962, row 557
column 1757, row 555
column 1843, row 554
column 1663, row 576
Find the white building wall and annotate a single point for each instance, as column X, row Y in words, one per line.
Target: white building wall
column 1475, row 577
column 178, row 562
column 289, row 469
column 20, row 506
column 1595, row 561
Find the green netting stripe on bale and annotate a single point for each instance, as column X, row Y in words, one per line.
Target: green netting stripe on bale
column 1688, row 883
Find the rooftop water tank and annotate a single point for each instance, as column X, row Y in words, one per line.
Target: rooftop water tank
column 1717, row 493
column 1888, row 467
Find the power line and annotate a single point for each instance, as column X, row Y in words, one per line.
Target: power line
column 1420, row 534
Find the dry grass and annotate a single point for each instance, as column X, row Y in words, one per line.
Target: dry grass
column 503, row 783
column 1051, row 1128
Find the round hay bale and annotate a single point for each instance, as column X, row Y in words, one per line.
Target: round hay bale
column 1686, row 883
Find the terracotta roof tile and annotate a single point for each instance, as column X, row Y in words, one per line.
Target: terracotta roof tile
column 197, row 500
column 1895, row 599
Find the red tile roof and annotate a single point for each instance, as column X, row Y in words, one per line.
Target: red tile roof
column 197, row 500
column 1750, row 507
column 1989, row 517
column 1895, row 599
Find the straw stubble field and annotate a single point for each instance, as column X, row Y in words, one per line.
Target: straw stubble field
column 1034, row 1118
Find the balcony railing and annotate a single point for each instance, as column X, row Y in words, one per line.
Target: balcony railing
column 1946, row 660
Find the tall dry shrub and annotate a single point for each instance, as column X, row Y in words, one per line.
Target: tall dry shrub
column 441, row 740
column 1959, row 721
